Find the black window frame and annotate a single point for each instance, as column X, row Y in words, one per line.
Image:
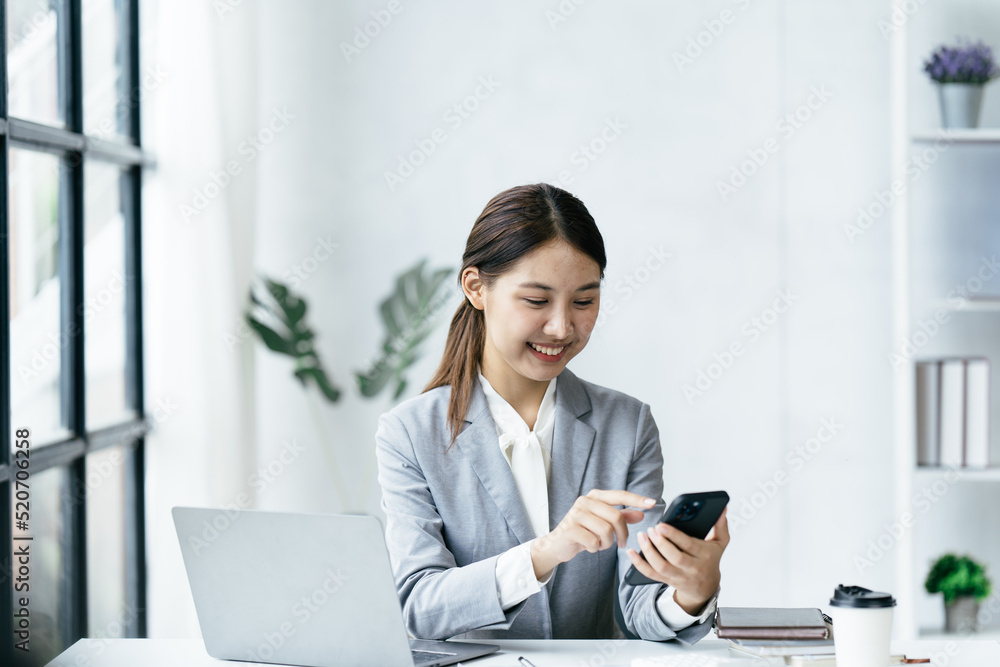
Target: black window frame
column 79, row 149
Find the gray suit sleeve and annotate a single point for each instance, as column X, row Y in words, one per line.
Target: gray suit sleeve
column 638, row 603
column 439, row 599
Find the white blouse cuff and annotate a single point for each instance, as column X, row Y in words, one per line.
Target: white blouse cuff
column 515, row 575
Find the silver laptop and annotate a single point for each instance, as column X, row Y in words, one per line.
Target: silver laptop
column 301, row 589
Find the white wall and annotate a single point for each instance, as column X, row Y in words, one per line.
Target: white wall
column 321, row 180
column 655, row 186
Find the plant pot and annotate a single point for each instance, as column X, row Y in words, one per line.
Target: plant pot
column 960, row 104
column 961, row 616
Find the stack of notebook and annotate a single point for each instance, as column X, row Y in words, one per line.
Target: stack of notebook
column 771, row 631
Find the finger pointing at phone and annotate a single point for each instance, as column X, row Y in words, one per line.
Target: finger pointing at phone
column 592, row 524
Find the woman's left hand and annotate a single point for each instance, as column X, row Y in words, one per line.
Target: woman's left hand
column 688, row 564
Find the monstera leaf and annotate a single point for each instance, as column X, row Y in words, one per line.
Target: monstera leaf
column 409, row 315
column 279, row 318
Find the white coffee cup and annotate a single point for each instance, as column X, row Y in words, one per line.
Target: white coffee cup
column 862, row 626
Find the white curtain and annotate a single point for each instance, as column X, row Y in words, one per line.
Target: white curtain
column 199, row 73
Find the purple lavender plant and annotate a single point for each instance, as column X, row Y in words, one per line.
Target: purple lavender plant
column 965, row 63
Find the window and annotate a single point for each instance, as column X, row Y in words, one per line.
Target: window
column 71, row 165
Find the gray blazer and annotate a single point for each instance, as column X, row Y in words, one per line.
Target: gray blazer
column 450, row 515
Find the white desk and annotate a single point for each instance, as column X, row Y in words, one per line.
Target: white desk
column 544, row 653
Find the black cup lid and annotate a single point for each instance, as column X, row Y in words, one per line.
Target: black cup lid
column 858, row 597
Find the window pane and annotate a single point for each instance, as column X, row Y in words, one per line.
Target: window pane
column 104, row 293
column 104, row 113
column 36, row 338
column 107, row 614
column 33, row 59
column 47, row 581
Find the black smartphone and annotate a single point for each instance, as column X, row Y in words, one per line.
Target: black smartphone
column 694, row 514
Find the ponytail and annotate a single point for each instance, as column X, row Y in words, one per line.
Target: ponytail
column 460, row 364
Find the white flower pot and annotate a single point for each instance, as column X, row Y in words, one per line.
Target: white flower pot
column 960, row 104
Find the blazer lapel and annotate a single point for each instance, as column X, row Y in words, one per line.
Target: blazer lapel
column 572, row 441
column 480, row 443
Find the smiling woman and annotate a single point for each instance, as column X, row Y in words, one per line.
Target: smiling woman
column 501, row 491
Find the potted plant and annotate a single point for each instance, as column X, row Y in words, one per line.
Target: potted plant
column 964, row 584
column 961, row 72
column 278, row 316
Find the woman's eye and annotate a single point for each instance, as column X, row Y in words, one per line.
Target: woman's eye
column 541, row 302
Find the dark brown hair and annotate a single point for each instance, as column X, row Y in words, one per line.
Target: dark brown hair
column 514, row 223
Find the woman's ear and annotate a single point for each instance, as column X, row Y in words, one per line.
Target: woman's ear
column 474, row 288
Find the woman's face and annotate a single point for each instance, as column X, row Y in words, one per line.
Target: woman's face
column 540, row 314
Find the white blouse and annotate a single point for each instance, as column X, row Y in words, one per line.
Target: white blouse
column 515, row 574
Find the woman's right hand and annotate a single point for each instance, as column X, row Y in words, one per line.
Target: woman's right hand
column 591, row 524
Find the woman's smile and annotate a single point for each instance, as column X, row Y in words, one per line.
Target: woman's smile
column 547, row 354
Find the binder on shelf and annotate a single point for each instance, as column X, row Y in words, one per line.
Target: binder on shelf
column 928, row 409
column 952, row 418
column 977, row 413
column 953, row 412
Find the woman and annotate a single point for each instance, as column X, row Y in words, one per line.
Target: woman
column 514, row 541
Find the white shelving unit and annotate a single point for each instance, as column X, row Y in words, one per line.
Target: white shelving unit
column 977, row 314
column 982, row 135
column 925, row 476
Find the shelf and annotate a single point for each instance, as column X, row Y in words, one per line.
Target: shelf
column 982, row 135
column 966, row 474
column 973, row 305
column 991, row 633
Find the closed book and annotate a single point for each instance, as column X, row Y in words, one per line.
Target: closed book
column 928, row 410
column 977, row 413
column 770, row 623
column 952, row 412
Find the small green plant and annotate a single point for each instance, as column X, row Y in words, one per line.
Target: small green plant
column 956, row 576
column 409, row 315
column 279, row 318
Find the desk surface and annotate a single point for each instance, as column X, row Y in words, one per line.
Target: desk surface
column 544, row 653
